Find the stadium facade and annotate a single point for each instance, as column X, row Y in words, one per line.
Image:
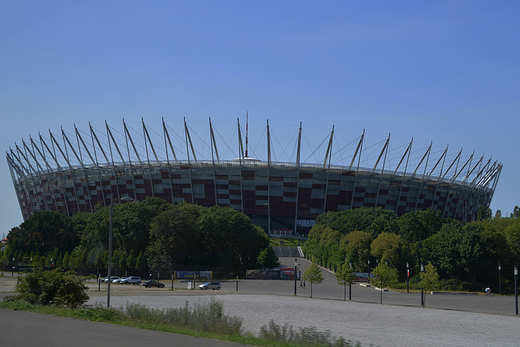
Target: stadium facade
column 71, row 173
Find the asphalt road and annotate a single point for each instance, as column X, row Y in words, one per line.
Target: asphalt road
column 447, row 320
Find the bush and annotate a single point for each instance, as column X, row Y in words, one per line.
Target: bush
column 55, row 287
column 206, row 317
column 302, row 336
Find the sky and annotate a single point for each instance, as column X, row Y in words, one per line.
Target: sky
column 443, row 72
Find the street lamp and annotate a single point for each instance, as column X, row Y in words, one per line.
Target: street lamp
column 499, row 280
column 295, row 271
column 350, row 284
column 368, row 273
column 422, row 297
column 407, row 277
column 516, row 290
column 110, row 243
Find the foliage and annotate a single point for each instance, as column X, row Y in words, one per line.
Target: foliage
column 385, row 275
column 50, row 288
column 345, row 274
column 430, row 278
column 313, row 275
column 207, row 317
column 390, row 248
column 268, row 258
column 187, row 234
column 302, row 336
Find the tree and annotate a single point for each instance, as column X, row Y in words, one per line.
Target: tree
column 429, row 278
column 484, row 213
column 385, row 275
column 346, row 275
column 268, row 258
column 313, row 275
column 389, row 248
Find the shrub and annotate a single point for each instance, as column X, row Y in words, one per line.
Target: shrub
column 302, row 336
column 55, row 287
column 206, row 317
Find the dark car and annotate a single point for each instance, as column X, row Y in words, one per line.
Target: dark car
column 153, row 283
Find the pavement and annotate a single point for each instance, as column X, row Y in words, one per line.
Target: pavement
column 446, row 320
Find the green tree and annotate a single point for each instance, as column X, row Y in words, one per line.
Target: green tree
column 313, row 275
column 66, row 259
column 346, row 275
column 141, row 263
column 131, row 261
column 268, row 258
column 430, row 278
column 390, row 248
column 384, row 275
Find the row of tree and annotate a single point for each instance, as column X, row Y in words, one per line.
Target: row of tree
column 151, row 234
column 465, row 256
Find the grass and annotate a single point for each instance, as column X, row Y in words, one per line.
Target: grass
column 205, row 320
column 277, row 242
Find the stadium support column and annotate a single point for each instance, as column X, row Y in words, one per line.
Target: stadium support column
column 240, row 157
column 214, row 147
column 443, row 158
column 85, row 176
column 147, row 136
column 297, row 178
column 109, row 135
column 188, row 139
column 268, row 179
column 457, row 160
column 382, row 170
column 167, row 137
column 407, row 155
column 358, row 149
column 427, row 156
column 328, row 155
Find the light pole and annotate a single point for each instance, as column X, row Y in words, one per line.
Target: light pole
column 368, row 273
column 499, row 280
column 110, row 244
column 295, row 272
column 407, row 277
column 516, row 290
column 350, row 284
column 422, row 297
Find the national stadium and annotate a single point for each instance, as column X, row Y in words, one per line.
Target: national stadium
column 71, row 172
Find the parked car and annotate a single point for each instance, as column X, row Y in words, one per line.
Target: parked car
column 105, row 280
column 119, row 280
column 132, row 280
column 210, row 285
column 153, row 283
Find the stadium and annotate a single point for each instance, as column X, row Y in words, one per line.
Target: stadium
column 72, row 172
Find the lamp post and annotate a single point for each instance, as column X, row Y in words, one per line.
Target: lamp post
column 110, row 244
column 368, row 273
column 422, row 297
column 499, row 279
column 12, row 270
column 407, row 277
column 295, row 272
column 516, row 290
column 350, row 284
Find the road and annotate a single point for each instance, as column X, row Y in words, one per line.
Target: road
column 450, row 320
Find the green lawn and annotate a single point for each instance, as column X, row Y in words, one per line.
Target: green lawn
column 277, row 242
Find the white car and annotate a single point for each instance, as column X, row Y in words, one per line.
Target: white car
column 119, row 280
column 113, row 278
column 131, row 280
column 210, row 285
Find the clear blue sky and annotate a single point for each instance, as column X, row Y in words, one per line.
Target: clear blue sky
column 442, row 71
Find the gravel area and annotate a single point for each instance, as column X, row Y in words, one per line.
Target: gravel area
column 370, row 324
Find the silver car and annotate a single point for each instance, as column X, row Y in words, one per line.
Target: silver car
column 210, row 285
column 132, row 280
